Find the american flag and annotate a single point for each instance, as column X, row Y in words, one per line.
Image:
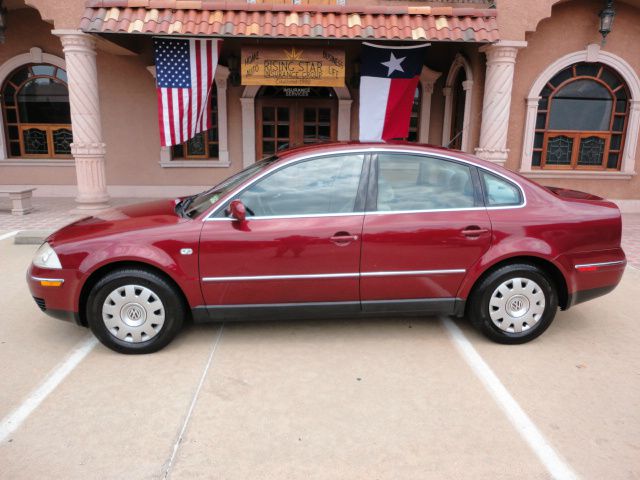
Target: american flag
column 185, row 69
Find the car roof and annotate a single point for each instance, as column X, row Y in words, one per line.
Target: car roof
column 404, row 146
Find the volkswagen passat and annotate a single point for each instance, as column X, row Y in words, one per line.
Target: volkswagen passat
column 336, row 230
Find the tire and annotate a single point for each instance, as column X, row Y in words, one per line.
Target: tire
column 134, row 311
column 513, row 304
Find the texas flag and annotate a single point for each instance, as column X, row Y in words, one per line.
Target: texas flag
column 389, row 77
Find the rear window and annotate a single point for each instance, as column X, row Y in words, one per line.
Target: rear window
column 499, row 192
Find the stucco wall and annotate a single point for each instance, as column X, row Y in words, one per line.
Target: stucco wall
column 573, row 26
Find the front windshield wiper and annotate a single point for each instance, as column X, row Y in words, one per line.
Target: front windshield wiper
column 183, row 204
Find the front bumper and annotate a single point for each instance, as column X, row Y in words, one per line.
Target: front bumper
column 54, row 291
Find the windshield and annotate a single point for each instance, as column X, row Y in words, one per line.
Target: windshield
column 202, row 201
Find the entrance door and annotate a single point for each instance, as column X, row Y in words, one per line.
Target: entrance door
column 285, row 122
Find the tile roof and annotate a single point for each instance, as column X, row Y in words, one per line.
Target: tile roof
column 225, row 18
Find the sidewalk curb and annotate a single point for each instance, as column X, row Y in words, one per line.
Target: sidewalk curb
column 31, row 237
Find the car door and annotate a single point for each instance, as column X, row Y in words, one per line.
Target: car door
column 299, row 245
column 425, row 225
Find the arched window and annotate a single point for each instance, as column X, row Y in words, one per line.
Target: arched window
column 35, row 105
column 414, row 121
column 581, row 119
column 205, row 145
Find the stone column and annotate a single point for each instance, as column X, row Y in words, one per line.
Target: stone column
column 496, row 105
column 87, row 148
column 428, row 78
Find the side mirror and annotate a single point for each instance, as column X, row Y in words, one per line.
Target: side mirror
column 238, row 210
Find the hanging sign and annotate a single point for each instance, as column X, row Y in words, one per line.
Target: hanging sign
column 315, row 67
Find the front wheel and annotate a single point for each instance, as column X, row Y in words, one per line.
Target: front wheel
column 514, row 304
column 134, row 311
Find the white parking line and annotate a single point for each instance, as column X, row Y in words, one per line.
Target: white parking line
column 9, row 235
column 196, row 394
column 552, row 461
column 12, row 421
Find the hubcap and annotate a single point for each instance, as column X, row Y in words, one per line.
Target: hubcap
column 133, row 313
column 516, row 305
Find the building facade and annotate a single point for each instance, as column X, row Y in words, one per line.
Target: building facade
column 529, row 85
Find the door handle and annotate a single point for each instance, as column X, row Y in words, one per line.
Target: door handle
column 343, row 238
column 474, row 231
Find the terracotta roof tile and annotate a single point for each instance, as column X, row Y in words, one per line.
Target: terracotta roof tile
column 228, row 18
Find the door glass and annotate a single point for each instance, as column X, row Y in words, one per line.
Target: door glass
column 412, row 182
column 317, row 124
column 500, row 192
column 275, row 129
column 323, row 185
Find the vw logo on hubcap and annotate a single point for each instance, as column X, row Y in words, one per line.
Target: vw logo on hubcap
column 517, row 306
column 133, row 314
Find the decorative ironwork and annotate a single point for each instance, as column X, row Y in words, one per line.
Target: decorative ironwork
column 559, row 150
column 35, row 141
column 196, row 146
column 62, row 139
column 591, row 151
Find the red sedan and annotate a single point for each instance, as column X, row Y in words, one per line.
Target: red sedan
column 336, row 230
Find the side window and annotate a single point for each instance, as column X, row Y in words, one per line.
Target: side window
column 416, row 182
column 323, row 185
column 500, row 192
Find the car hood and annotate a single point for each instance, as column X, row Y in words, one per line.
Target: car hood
column 130, row 218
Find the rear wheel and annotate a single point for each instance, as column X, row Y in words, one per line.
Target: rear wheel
column 514, row 304
column 134, row 311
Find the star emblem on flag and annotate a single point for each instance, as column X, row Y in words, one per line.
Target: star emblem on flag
column 394, row 64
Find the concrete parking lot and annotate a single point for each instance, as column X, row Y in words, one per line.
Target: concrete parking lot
column 367, row 399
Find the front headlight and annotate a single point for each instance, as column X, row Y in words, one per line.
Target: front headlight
column 45, row 257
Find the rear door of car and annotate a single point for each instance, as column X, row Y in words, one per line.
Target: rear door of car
column 425, row 225
column 300, row 245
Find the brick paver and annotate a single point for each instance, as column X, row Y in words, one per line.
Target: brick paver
column 631, row 238
column 50, row 213
column 53, row 213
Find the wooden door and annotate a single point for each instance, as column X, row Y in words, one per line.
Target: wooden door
column 285, row 123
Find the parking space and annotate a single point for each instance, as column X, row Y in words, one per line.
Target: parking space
column 390, row 398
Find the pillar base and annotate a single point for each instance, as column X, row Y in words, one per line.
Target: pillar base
column 498, row 156
column 91, row 205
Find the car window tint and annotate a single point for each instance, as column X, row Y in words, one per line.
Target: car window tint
column 500, row 192
column 323, row 185
column 416, row 182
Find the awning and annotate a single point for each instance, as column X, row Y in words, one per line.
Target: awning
column 216, row 18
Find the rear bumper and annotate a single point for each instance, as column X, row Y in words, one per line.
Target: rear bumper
column 586, row 295
column 593, row 275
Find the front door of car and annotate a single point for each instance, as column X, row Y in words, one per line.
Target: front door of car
column 425, row 226
column 299, row 244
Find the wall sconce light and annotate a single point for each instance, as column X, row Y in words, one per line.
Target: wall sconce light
column 233, row 63
column 3, row 21
column 354, row 81
column 606, row 20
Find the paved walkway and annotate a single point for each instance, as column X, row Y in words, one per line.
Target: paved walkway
column 53, row 213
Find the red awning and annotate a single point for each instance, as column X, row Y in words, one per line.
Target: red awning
column 215, row 18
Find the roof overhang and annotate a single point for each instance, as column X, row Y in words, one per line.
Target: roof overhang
column 263, row 20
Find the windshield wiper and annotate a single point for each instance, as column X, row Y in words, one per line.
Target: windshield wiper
column 183, row 204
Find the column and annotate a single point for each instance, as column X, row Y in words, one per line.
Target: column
column 87, row 148
column 428, row 78
column 496, row 106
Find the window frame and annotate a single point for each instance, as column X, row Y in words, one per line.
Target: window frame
column 579, row 135
column 222, row 212
column 215, row 124
column 372, row 196
column 49, row 128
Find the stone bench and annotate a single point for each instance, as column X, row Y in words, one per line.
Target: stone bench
column 21, row 199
